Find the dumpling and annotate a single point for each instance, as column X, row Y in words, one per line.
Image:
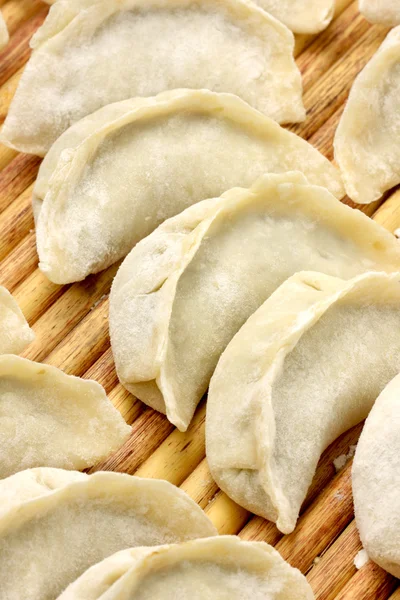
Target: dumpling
column 55, row 524
column 367, row 146
column 301, row 16
column 15, row 333
column 376, row 480
column 220, row 568
column 114, row 176
column 48, row 418
column 4, row 36
column 385, row 12
column 90, row 53
column 184, row 291
column 306, row 366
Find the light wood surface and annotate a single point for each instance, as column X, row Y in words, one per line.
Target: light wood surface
column 71, row 324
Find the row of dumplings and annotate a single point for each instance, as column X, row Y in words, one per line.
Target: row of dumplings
column 305, row 16
column 91, row 54
column 112, row 536
column 146, row 535
column 275, row 403
column 213, row 293
column 114, row 175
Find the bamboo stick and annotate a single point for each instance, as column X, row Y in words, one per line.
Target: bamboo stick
column 179, row 454
column 328, row 47
column 200, row 485
column 322, row 522
column 388, row 215
column 15, row 13
column 35, row 294
column 18, row 175
column 20, row 263
column 15, row 222
column 227, row 516
column 336, row 566
column 369, row 582
column 18, row 51
column 71, row 308
column 103, row 371
column 82, row 346
column 7, row 91
column 149, row 430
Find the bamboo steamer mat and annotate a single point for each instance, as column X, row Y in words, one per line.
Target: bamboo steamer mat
column 71, row 323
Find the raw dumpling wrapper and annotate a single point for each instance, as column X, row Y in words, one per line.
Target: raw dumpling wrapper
column 48, row 418
column 367, row 146
column 115, row 175
column 306, row 366
column 385, row 12
column 376, row 480
column 184, row 291
column 55, row 524
column 15, row 333
column 89, row 53
column 4, row 36
column 301, row 16
column 215, row 568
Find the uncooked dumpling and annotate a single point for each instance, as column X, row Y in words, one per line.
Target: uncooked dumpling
column 305, row 367
column 89, row 53
column 301, row 16
column 55, row 524
column 15, row 333
column 384, row 12
column 219, row 568
column 367, row 146
column 184, row 291
column 115, row 175
column 4, row 36
column 376, row 480
column 48, row 418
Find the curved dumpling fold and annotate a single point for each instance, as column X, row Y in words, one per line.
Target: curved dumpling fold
column 55, row 524
column 4, row 35
column 367, row 147
column 384, row 12
column 219, row 567
column 48, row 418
column 306, row 366
column 89, row 54
column 115, row 175
column 15, row 333
column 184, row 291
column 301, row 16
column 376, row 480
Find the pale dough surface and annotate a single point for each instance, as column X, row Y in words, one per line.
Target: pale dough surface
column 184, row 291
column 48, row 418
column 376, row 480
column 15, row 333
column 367, row 147
column 117, row 174
column 223, row 568
column 89, row 53
column 55, row 524
column 306, row 366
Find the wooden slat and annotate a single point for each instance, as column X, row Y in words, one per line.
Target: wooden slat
column 336, row 566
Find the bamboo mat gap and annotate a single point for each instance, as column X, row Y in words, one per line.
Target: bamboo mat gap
column 71, row 326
